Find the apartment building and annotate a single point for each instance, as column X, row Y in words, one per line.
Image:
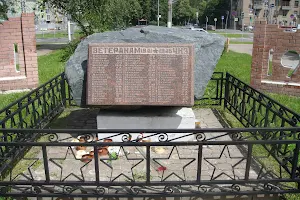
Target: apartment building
column 282, row 12
column 44, row 15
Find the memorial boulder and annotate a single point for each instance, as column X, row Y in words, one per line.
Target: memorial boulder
column 156, row 66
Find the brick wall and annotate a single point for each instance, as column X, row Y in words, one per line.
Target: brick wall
column 267, row 37
column 19, row 31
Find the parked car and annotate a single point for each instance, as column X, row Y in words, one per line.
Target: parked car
column 199, row 29
column 291, row 30
column 248, row 28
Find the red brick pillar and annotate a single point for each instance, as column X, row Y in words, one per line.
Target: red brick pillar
column 29, row 42
column 19, row 31
column 258, row 53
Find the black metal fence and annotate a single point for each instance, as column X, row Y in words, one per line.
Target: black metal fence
column 34, row 110
column 175, row 163
column 214, row 93
column 255, row 109
column 224, row 161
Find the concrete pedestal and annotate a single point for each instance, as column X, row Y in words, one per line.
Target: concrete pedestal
column 147, row 118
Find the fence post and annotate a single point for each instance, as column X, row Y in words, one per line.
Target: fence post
column 226, row 96
column 221, row 97
column 63, row 88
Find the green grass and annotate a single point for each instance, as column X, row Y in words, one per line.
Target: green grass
column 56, row 35
column 239, row 42
column 270, row 69
column 50, row 65
column 232, row 35
column 237, row 64
column 6, row 99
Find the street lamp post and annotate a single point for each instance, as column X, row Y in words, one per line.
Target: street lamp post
column 170, row 14
column 157, row 12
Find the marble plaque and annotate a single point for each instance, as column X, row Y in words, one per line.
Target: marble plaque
column 140, row 74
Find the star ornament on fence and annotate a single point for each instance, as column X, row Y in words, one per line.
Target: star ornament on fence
column 28, row 175
column 174, row 159
column 224, row 158
column 70, row 166
column 124, row 164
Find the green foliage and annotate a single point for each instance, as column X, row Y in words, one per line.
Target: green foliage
column 183, row 12
column 99, row 16
column 4, row 6
column 146, row 8
column 163, row 11
column 69, row 50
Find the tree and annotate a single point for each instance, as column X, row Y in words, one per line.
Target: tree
column 146, row 8
column 163, row 10
column 5, row 7
column 183, row 12
column 210, row 8
column 99, row 15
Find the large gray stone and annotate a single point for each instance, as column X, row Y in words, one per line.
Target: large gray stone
column 208, row 49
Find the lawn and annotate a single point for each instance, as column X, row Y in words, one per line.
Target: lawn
column 239, row 42
column 231, row 35
column 57, row 34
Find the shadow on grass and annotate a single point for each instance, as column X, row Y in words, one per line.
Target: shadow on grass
column 50, row 46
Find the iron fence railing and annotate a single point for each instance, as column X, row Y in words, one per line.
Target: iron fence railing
column 255, row 109
column 214, row 93
column 34, row 110
column 119, row 163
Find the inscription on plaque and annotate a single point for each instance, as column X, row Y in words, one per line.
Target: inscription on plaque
column 140, row 74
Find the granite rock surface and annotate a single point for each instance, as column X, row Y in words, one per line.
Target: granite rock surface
column 208, row 50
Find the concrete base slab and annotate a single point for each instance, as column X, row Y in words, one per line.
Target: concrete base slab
column 147, row 118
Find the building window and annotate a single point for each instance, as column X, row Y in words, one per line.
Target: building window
column 296, row 4
column 48, row 17
column 284, row 13
column 285, row 3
